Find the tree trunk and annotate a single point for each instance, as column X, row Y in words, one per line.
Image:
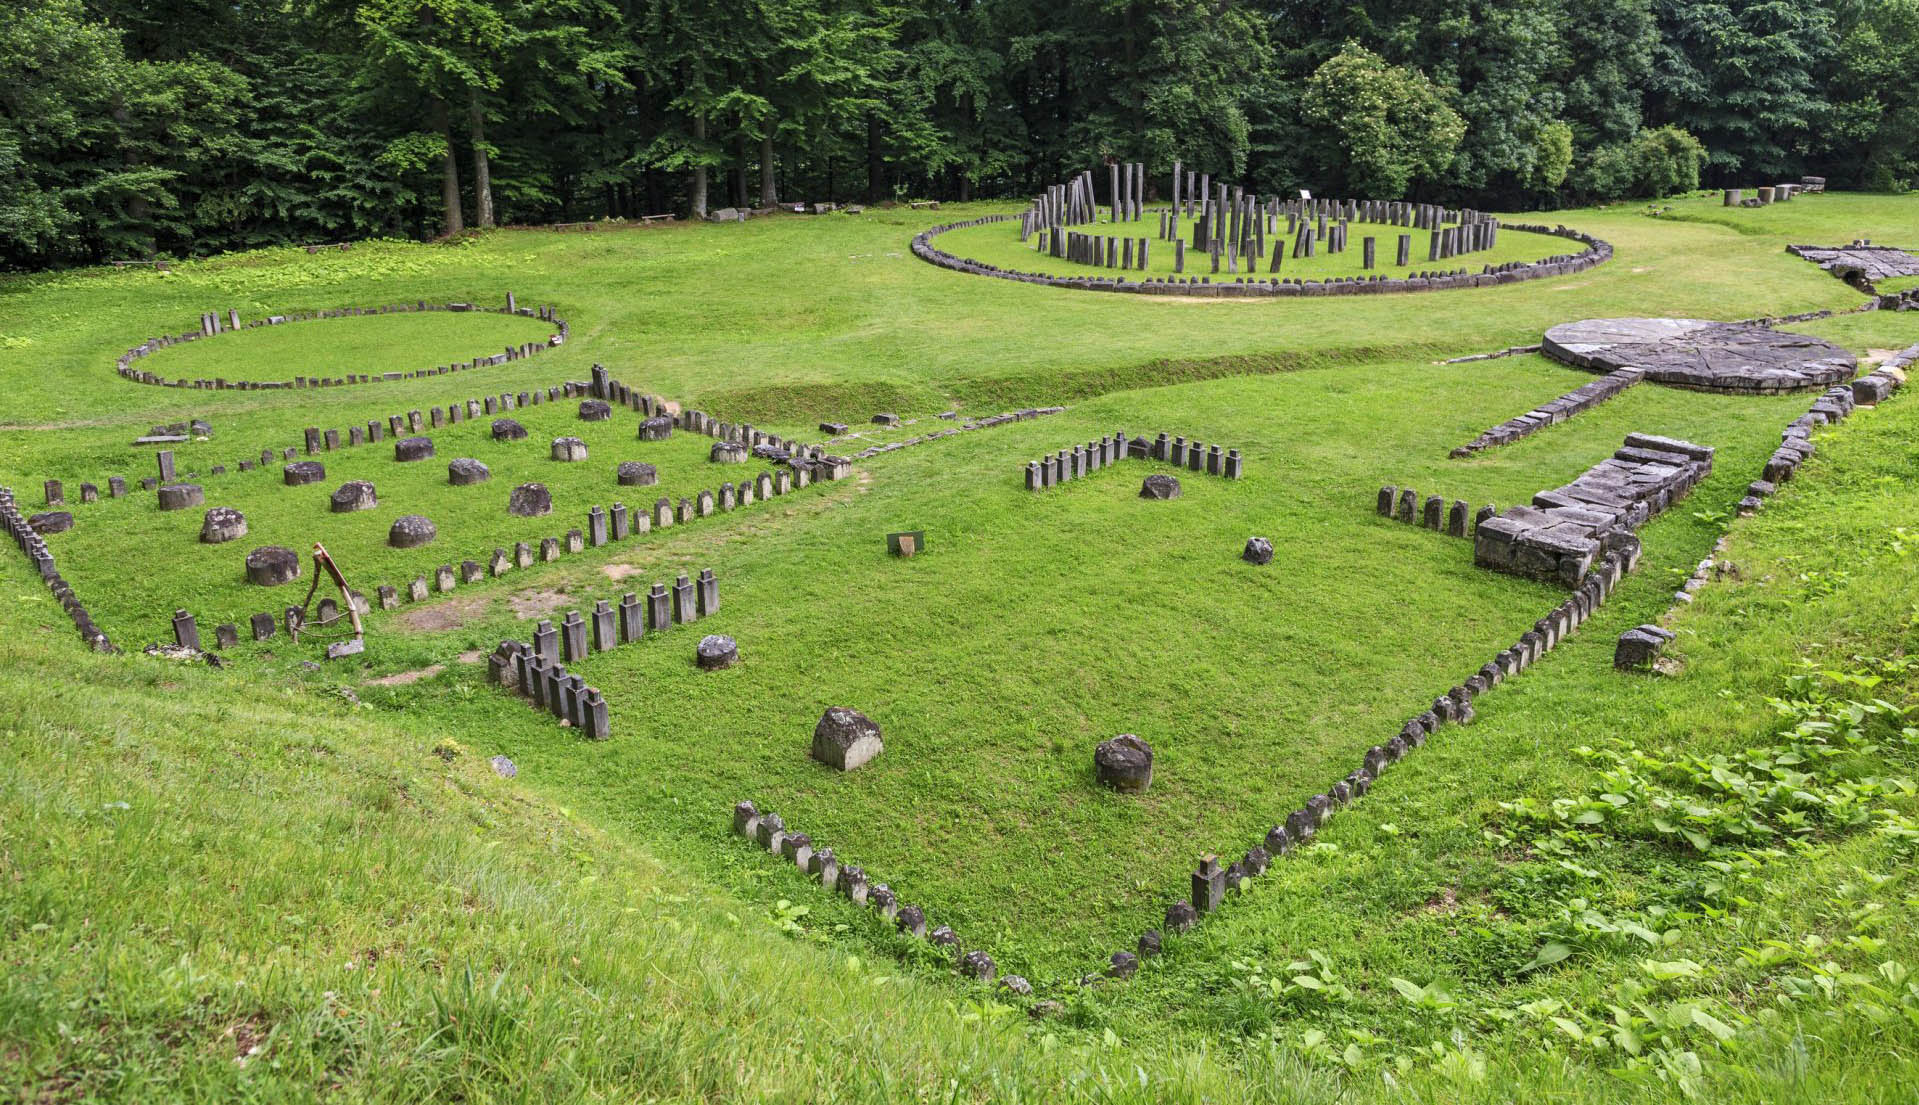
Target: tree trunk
column 450, row 171
column 769, row 192
column 875, row 168
column 482, row 170
column 699, row 170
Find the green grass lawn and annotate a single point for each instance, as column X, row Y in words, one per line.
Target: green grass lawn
column 200, row 859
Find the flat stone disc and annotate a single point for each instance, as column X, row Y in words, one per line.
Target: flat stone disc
column 1700, row 354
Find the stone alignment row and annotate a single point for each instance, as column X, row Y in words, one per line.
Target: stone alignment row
column 30, row 542
column 1080, row 460
column 1402, row 503
column 770, row 832
column 987, row 422
column 1577, row 401
column 1860, row 264
column 211, row 325
column 1595, row 252
column 1563, row 532
column 1833, row 406
column 549, row 687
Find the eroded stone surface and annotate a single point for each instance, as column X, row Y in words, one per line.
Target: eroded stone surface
column 354, row 495
column 1159, row 486
column 1124, row 763
column 716, row 651
column 845, row 738
column 530, row 500
column 222, row 524
column 464, row 471
column 1701, row 354
column 410, row 531
column 633, row 473
column 1861, row 262
column 507, row 429
column 272, row 565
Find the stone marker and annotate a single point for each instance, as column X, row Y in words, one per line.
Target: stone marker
column 186, row 633
column 272, row 565
column 222, row 524
column 262, row 625
column 1124, row 763
column 1160, row 486
column 1639, row 647
column 180, row 496
column 595, row 410
column 633, row 473
column 465, row 471
column 303, row 472
column 569, row 449
column 60, row 521
column 410, row 531
column 728, row 452
column 717, row 651
column 530, row 500
column 354, row 495
column 845, row 739
column 656, row 429
column 1258, row 551
column 507, row 429
column 412, row 448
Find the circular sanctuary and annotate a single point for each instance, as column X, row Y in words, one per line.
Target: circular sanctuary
column 1693, row 353
column 1236, row 243
column 216, row 323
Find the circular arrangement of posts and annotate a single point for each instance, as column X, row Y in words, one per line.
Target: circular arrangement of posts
column 214, row 323
column 1226, row 241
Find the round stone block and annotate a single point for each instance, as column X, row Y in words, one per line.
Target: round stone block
column 594, row 410
column 656, row 429
column 632, row 473
column 222, row 524
column 60, row 521
column 717, row 651
column 1159, row 486
column 1258, row 551
column 1124, row 763
column 1701, row 354
column 179, row 496
column 272, row 565
column 506, row 429
column 530, row 500
column 465, row 471
column 845, row 739
column 569, row 448
column 413, row 448
column 727, row 452
column 354, row 495
column 303, row 471
column 410, row 531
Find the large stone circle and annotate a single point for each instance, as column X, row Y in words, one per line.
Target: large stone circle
column 1701, row 354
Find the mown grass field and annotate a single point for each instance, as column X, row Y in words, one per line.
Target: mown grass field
column 199, row 862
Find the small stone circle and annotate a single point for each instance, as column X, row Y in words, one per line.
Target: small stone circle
column 413, row 448
column 60, row 521
column 569, row 448
column 1159, row 486
column 1124, row 763
column 656, row 429
column 506, row 429
column 716, row 651
column 633, row 473
column 354, row 495
column 595, row 410
column 410, row 531
column 530, row 500
column 302, row 472
column 1258, row 551
column 222, row 524
column 728, row 452
column 845, row 738
column 179, row 496
column 1700, row 354
column 465, row 471
column 272, row 565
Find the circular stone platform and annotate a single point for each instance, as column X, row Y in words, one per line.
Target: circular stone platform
column 1701, row 354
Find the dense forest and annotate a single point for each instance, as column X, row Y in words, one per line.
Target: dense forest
column 135, row 127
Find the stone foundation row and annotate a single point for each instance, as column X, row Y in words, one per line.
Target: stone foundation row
column 213, row 324
column 987, row 422
column 1459, row 520
column 548, row 687
column 770, row 832
column 1560, row 536
column 1834, row 405
column 1080, row 460
column 30, row 542
column 1577, row 401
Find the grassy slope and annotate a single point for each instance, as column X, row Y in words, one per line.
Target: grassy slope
column 1312, row 485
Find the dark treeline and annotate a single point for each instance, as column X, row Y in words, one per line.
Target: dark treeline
column 130, row 127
